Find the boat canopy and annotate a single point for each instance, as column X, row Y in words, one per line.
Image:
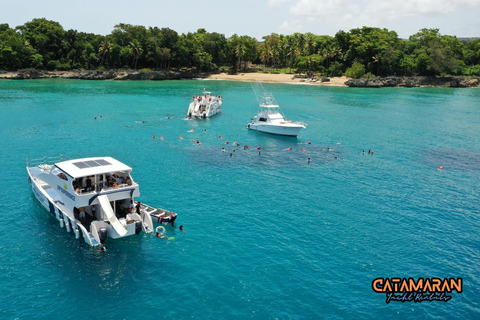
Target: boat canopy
column 91, row 166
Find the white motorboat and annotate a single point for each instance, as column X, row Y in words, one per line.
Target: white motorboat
column 94, row 197
column 270, row 119
column 204, row 106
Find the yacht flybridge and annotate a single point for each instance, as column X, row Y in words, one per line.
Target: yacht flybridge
column 94, row 197
column 270, row 119
column 204, row 106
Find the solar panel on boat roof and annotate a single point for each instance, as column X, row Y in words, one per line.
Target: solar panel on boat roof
column 103, row 162
column 81, row 165
column 91, row 163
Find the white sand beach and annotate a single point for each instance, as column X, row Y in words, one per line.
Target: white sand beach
column 284, row 78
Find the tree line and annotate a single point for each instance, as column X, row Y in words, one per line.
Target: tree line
column 361, row 52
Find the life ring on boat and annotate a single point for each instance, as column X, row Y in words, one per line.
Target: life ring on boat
column 161, row 232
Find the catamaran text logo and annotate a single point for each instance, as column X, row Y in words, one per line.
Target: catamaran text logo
column 65, row 192
column 424, row 289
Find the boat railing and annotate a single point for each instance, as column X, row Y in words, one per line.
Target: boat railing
column 45, row 160
column 301, row 123
column 120, row 186
column 268, row 99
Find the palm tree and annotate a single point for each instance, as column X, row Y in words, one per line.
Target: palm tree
column 164, row 55
column 104, row 50
column 300, row 41
column 135, row 50
column 274, row 54
column 325, row 53
column 309, row 44
column 264, row 54
column 336, row 51
column 239, row 52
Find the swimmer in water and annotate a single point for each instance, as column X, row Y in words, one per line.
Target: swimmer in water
column 161, row 236
column 181, row 228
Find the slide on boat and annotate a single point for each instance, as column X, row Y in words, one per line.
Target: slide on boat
column 107, row 208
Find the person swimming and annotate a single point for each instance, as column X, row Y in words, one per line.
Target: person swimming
column 161, row 236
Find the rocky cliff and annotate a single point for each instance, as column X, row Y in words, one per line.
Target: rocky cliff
column 456, row 82
column 120, row 74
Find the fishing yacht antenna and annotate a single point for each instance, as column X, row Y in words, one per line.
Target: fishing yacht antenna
column 265, row 93
column 255, row 91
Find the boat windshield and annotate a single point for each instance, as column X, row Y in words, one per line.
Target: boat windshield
column 59, row 173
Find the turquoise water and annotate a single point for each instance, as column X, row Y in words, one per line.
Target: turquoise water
column 267, row 236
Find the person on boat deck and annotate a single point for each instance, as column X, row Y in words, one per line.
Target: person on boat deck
column 88, row 184
column 137, row 208
column 75, row 186
column 93, row 210
column 110, row 181
column 128, row 181
column 116, row 185
column 131, row 206
column 76, row 212
column 82, row 214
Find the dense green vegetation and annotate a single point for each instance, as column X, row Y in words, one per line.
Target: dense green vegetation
column 366, row 51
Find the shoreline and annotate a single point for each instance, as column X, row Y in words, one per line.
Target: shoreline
column 130, row 74
column 278, row 78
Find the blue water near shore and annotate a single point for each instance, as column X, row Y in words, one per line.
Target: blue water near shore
column 268, row 236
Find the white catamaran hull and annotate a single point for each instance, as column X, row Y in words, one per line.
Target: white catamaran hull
column 98, row 212
column 65, row 221
column 205, row 106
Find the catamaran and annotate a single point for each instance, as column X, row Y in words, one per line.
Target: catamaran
column 204, row 106
column 94, row 197
column 270, row 119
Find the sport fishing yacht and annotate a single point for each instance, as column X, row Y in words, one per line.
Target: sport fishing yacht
column 270, row 119
column 94, row 197
column 204, row 106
